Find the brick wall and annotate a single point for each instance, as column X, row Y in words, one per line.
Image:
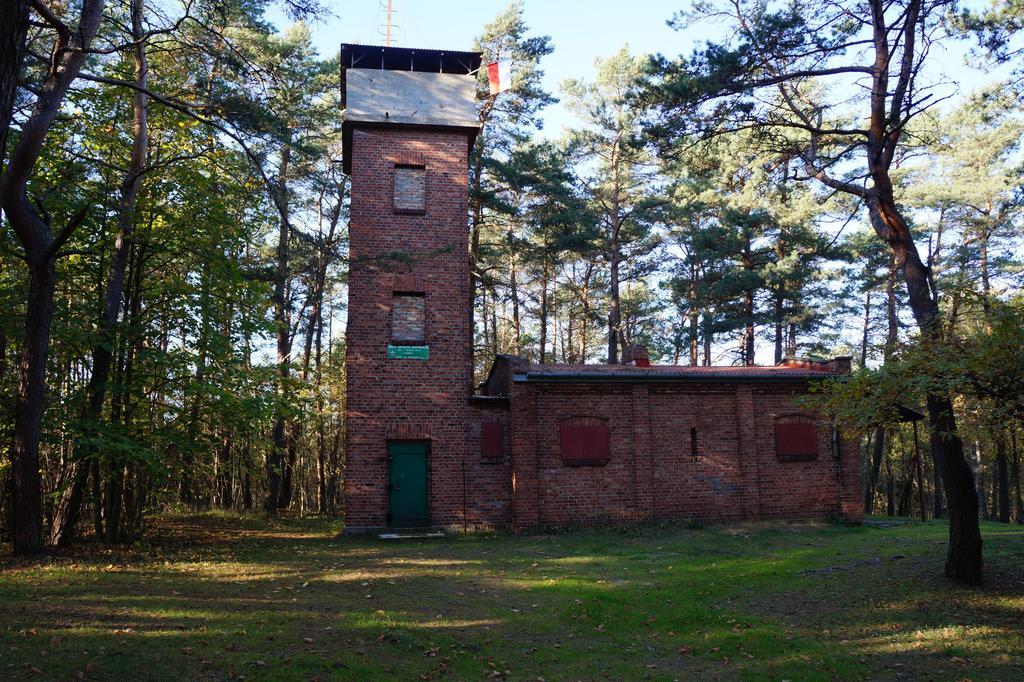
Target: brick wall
column 407, row 399
column 489, row 482
column 653, row 473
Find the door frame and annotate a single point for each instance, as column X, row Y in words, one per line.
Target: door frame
column 389, row 521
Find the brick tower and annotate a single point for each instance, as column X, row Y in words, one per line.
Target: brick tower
column 410, row 121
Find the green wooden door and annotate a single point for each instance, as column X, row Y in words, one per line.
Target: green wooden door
column 407, row 484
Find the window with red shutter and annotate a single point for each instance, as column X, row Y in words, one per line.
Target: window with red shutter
column 584, row 441
column 491, row 448
column 796, row 441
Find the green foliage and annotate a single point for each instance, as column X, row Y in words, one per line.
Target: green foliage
column 997, row 28
column 981, row 363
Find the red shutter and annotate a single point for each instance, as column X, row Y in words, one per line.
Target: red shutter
column 584, row 442
column 490, row 441
column 796, row 441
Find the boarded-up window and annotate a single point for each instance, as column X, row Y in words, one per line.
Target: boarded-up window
column 796, row 441
column 410, row 189
column 491, row 448
column 408, row 313
column 584, row 441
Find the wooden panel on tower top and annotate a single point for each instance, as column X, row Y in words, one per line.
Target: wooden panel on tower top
column 411, row 97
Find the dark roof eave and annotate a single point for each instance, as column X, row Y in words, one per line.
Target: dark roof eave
column 596, row 377
column 383, row 57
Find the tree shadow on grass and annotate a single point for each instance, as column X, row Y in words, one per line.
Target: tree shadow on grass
column 903, row 618
column 293, row 602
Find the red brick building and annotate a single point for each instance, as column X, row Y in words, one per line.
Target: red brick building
column 536, row 445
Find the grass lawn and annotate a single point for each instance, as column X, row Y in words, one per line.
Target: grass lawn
column 222, row 597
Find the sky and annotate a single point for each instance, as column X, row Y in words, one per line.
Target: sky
column 580, row 31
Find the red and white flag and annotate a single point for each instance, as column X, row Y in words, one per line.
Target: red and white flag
column 499, row 75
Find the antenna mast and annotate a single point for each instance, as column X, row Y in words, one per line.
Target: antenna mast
column 387, row 38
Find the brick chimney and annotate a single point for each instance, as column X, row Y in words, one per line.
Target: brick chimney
column 636, row 355
column 841, row 365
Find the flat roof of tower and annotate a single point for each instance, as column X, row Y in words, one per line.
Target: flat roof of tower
column 408, row 59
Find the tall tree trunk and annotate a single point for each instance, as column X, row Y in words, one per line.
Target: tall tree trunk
column 247, row 501
column 494, row 321
column 1017, row 474
column 585, row 304
column 3, row 360
column 891, row 336
column 6, row 484
column 26, row 493
column 1001, row 478
column 121, row 404
column 544, row 313
column 186, row 483
column 224, row 497
column 484, row 302
column 864, row 332
column 321, row 435
column 224, row 480
column 69, row 506
column 878, row 451
column 890, row 485
column 778, row 325
column 707, row 342
column 938, row 508
column 614, row 310
column 907, row 491
column 36, row 237
column 514, row 294
column 979, row 480
column 964, row 559
column 748, row 331
column 694, row 314
column 245, row 465
column 14, row 21
column 282, row 324
column 892, row 332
